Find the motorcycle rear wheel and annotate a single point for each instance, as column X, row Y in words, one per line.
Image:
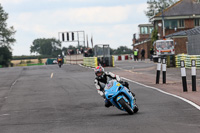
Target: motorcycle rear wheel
column 126, row 106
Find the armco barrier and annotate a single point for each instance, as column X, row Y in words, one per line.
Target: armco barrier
column 74, row 59
column 119, row 57
column 187, row 59
column 123, row 57
column 115, row 57
column 90, row 61
column 126, row 57
column 113, row 61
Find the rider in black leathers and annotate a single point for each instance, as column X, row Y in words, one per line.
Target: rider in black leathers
column 102, row 78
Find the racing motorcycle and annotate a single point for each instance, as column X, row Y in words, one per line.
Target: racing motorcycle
column 120, row 97
column 60, row 62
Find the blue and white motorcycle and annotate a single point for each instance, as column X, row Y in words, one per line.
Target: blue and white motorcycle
column 120, row 97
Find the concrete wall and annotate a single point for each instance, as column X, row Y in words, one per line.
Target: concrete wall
column 74, row 59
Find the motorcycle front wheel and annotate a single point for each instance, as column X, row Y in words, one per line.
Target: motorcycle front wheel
column 136, row 109
column 60, row 65
column 126, row 106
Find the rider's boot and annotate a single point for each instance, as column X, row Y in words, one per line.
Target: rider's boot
column 133, row 94
column 107, row 103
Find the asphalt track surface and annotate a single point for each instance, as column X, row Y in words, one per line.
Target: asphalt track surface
column 48, row 99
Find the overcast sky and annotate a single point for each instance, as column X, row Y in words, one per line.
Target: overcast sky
column 109, row 21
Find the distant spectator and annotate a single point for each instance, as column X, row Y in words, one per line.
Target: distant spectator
column 82, row 51
column 86, row 53
column 142, row 54
column 73, row 52
column 135, row 52
column 151, row 53
column 90, row 52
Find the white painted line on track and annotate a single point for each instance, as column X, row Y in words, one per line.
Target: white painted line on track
column 51, row 75
column 14, row 83
column 157, row 89
column 4, row 115
column 154, row 88
column 86, row 66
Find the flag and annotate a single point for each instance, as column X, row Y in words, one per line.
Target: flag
column 87, row 42
column 92, row 41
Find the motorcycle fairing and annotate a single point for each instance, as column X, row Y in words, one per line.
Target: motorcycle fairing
column 114, row 91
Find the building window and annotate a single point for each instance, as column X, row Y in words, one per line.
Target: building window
column 151, row 29
column 181, row 23
column 144, row 30
column 197, row 22
column 170, row 24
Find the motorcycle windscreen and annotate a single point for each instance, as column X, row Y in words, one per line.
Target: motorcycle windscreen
column 109, row 85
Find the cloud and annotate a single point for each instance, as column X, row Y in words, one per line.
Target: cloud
column 115, row 35
column 93, row 14
column 73, row 16
column 21, row 1
column 112, row 25
column 12, row 1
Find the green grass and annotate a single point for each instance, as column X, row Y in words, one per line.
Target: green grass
column 38, row 64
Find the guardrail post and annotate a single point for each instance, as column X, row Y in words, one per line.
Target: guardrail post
column 183, row 75
column 164, row 70
column 158, row 71
column 193, row 71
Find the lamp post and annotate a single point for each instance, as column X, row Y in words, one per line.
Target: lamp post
column 160, row 25
column 163, row 22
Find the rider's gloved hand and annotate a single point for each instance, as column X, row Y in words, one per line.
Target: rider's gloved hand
column 101, row 93
column 104, row 95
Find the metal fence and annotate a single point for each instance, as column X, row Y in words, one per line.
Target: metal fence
column 102, row 51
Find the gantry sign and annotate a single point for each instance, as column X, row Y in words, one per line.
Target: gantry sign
column 72, row 36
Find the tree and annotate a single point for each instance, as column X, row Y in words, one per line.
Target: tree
column 152, row 8
column 6, row 34
column 46, row 46
column 156, row 6
column 122, row 50
column 5, row 56
column 163, row 4
column 154, row 36
column 6, row 39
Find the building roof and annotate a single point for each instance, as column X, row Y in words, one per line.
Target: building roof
column 150, row 25
column 194, row 31
column 182, row 8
